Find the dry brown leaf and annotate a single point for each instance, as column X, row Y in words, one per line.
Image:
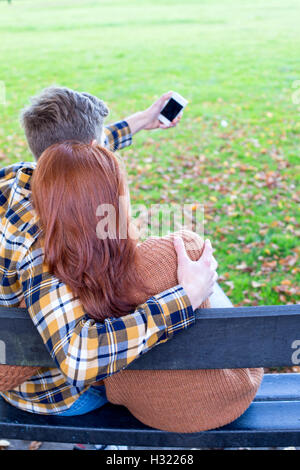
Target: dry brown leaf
column 34, row 445
column 287, row 290
column 289, row 260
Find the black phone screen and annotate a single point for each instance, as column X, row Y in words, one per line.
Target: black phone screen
column 171, row 109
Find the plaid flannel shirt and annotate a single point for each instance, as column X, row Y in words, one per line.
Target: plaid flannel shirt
column 84, row 351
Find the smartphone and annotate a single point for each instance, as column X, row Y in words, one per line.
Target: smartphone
column 172, row 108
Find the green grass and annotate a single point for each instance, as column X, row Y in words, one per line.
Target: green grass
column 237, row 147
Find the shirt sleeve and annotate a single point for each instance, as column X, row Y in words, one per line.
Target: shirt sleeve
column 87, row 351
column 117, row 136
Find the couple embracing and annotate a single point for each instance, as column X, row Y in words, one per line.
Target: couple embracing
column 100, row 302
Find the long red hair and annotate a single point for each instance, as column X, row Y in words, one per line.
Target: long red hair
column 70, row 182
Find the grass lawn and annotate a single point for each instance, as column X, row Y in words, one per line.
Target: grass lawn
column 237, row 147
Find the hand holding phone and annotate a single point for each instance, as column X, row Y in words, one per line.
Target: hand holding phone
column 172, row 108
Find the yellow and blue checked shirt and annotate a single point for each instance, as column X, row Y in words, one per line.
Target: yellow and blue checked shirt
column 84, row 351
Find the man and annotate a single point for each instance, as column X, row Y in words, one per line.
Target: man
column 84, row 351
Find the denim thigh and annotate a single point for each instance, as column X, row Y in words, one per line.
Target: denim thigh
column 92, row 399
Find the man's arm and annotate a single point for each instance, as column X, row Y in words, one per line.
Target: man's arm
column 119, row 134
column 148, row 119
column 87, row 351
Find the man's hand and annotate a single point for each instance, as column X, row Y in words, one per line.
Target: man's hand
column 196, row 277
column 153, row 112
column 148, row 119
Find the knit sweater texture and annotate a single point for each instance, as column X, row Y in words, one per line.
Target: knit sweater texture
column 182, row 401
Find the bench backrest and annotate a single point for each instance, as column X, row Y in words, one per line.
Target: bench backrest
column 266, row 336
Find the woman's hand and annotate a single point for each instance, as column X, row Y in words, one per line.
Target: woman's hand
column 196, row 277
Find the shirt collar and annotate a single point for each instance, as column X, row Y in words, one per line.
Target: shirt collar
column 21, row 212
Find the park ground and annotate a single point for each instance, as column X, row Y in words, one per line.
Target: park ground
column 236, row 150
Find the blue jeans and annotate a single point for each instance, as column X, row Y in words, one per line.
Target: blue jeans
column 92, row 399
column 219, row 299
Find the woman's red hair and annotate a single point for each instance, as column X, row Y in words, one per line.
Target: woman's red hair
column 70, row 182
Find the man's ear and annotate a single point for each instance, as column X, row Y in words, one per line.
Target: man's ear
column 94, row 143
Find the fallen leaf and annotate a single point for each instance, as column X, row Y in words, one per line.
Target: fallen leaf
column 229, row 284
column 3, row 444
column 287, row 290
column 289, row 260
column 268, row 266
column 241, row 266
column 286, row 282
column 34, row 445
column 256, row 284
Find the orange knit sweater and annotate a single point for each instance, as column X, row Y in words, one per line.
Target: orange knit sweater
column 179, row 400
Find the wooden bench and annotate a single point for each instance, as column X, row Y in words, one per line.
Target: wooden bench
column 267, row 336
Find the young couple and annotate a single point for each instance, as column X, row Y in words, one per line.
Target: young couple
column 99, row 303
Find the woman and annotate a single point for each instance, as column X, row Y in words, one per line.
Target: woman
column 81, row 197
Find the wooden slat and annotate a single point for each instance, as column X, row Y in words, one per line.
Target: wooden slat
column 20, row 342
column 221, row 338
column 231, row 338
column 265, row 423
column 279, row 387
